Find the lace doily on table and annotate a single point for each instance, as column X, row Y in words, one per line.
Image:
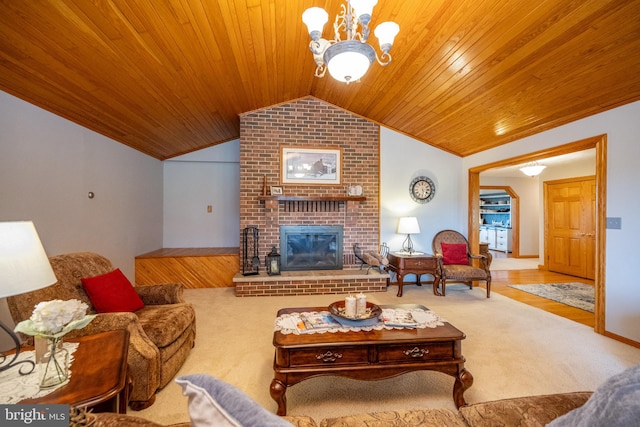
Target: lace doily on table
column 287, row 323
column 15, row 387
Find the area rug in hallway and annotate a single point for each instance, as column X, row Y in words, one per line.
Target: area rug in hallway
column 574, row 294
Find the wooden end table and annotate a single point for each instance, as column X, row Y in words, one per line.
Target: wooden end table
column 370, row 355
column 99, row 377
column 403, row 264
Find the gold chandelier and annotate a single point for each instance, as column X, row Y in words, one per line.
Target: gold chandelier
column 348, row 60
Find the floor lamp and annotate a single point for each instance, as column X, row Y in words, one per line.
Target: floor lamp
column 24, row 267
column 408, row 225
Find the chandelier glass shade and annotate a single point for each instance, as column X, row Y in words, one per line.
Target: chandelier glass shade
column 532, row 169
column 348, row 59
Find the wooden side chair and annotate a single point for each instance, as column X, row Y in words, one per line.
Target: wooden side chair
column 455, row 261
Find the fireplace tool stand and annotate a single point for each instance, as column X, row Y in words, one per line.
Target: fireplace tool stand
column 250, row 258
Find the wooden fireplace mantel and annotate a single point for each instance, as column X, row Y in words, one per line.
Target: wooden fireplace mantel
column 320, row 204
column 314, row 198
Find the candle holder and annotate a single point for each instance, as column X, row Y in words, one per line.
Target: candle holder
column 370, row 317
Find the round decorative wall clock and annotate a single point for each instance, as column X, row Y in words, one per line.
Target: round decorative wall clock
column 422, row 189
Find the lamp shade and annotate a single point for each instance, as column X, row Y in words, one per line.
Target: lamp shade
column 24, row 266
column 408, row 225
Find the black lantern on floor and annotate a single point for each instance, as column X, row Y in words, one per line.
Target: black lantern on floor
column 272, row 262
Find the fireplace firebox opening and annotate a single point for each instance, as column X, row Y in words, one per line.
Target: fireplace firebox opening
column 311, row 247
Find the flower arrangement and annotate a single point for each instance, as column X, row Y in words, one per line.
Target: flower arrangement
column 53, row 319
column 49, row 322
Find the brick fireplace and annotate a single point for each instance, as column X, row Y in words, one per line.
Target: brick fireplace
column 309, row 123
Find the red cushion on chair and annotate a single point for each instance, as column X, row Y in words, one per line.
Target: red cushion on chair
column 112, row 292
column 454, row 253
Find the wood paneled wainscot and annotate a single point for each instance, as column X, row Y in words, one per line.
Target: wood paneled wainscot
column 193, row 267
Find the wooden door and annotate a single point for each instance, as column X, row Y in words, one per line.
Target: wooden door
column 570, row 208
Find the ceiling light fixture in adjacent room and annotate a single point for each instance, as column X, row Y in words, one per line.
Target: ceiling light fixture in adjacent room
column 348, row 60
column 532, row 169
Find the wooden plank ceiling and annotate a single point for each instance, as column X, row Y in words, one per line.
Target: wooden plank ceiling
column 168, row 77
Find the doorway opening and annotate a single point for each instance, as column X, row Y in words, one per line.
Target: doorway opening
column 514, row 217
column 600, row 144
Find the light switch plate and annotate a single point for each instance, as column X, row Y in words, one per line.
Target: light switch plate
column 614, row 223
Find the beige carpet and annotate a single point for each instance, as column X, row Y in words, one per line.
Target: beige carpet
column 511, row 349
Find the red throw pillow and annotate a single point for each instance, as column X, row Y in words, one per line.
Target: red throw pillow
column 112, row 292
column 454, row 253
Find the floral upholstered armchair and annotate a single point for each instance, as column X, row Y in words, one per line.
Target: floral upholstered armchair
column 455, row 261
column 161, row 327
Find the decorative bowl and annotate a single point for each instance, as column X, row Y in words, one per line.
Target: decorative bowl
column 372, row 312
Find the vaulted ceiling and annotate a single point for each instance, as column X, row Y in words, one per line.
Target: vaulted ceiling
column 168, row 77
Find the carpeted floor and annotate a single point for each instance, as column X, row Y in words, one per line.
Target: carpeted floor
column 511, row 350
column 574, row 294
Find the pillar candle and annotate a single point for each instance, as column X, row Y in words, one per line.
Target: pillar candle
column 361, row 304
column 350, row 306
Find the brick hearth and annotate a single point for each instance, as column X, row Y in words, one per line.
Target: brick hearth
column 309, row 123
column 314, row 282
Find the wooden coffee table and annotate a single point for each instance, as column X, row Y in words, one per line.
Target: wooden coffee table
column 99, row 377
column 369, row 355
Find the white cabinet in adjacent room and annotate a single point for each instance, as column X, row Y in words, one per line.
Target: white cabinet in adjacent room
column 499, row 238
column 484, row 234
column 488, row 235
column 503, row 239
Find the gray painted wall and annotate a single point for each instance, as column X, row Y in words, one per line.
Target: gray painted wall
column 47, row 167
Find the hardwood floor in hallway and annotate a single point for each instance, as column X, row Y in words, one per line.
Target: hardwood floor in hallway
column 502, row 278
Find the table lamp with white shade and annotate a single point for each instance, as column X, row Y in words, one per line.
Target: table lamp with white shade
column 24, row 267
column 408, row 225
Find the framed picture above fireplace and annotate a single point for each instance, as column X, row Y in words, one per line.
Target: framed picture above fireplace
column 310, row 165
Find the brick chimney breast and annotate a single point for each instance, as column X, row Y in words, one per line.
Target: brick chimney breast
column 309, row 123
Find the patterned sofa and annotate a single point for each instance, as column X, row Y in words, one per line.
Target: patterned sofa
column 162, row 333
column 615, row 403
column 526, row 411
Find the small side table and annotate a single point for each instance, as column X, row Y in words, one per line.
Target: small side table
column 99, row 377
column 403, row 264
